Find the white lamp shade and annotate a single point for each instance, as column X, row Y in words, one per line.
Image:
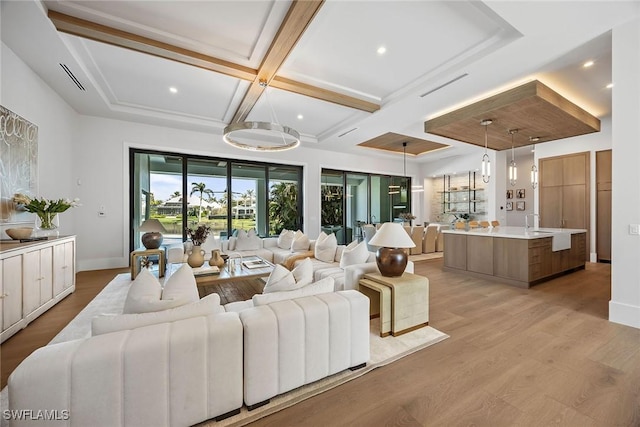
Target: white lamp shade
column 152, row 225
column 392, row 235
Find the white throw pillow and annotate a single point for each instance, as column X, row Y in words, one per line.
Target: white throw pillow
column 303, row 273
column 248, row 241
column 231, row 246
column 110, row 323
column 181, row 285
column 356, row 255
column 300, row 242
column 285, row 239
column 280, row 280
column 325, row 248
column 144, row 295
column 320, row 287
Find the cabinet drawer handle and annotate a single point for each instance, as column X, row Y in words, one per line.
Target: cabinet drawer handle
column 4, row 296
column 64, row 266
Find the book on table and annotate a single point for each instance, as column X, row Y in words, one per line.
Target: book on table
column 257, row 263
column 206, row 270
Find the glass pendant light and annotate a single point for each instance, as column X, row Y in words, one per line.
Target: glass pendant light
column 486, row 163
column 513, row 169
column 534, row 168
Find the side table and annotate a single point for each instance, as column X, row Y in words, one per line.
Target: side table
column 408, row 300
column 137, row 254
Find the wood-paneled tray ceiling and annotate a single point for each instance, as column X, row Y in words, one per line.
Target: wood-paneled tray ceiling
column 393, row 142
column 532, row 108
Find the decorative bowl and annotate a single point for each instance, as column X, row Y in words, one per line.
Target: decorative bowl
column 19, row 233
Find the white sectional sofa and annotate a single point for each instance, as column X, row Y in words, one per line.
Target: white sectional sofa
column 169, row 374
column 295, row 342
column 191, row 363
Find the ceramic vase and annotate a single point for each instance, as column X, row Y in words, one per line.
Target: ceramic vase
column 196, row 257
column 216, row 259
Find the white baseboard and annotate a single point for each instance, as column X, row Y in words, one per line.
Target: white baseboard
column 101, row 264
column 624, row 314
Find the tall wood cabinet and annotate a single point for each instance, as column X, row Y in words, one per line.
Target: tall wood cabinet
column 603, row 205
column 35, row 276
column 564, row 192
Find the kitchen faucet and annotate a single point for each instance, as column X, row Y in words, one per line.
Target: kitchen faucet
column 526, row 220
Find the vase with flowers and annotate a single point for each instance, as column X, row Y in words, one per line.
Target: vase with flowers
column 197, row 236
column 407, row 217
column 46, row 211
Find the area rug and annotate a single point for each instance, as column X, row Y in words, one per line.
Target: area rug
column 383, row 351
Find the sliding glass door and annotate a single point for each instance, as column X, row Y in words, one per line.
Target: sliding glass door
column 349, row 200
column 183, row 191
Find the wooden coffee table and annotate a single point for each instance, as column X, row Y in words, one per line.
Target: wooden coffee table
column 232, row 284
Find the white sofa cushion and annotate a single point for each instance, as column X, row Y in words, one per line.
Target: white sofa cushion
column 300, row 242
column 325, row 248
column 113, row 323
column 280, row 280
column 320, row 287
column 285, row 239
column 356, row 255
column 248, row 241
column 181, row 285
column 144, row 295
column 303, row 273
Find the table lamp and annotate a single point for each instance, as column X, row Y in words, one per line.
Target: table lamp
column 152, row 238
column 391, row 257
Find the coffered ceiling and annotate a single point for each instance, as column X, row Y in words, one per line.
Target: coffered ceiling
column 326, row 76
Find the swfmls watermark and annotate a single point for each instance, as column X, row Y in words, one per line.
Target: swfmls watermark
column 36, row 415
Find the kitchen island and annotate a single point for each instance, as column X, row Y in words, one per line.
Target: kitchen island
column 514, row 255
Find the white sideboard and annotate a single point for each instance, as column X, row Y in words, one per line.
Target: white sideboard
column 34, row 276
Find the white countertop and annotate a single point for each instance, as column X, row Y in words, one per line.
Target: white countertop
column 516, row 232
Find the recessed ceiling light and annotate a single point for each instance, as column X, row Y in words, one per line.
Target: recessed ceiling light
column 300, row 117
column 381, row 50
column 173, row 89
column 587, row 64
column 610, row 85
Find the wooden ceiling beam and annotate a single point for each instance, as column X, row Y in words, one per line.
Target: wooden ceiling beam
column 296, row 21
column 102, row 33
column 323, row 94
column 298, row 18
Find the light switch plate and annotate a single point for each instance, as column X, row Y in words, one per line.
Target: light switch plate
column 634, row 229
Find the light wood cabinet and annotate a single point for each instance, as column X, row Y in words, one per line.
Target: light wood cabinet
column 603, row 205
column 63, row 271
column 36, row 279
column 35, row 276
column 519, row 262
column 455, row 255
column 11, row 292
column 564, row 193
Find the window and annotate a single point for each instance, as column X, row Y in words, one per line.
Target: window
column 183, row 191
column 348, row 200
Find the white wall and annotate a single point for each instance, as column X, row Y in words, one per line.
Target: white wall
column 524, row 160
column 24, row 93
column 624, row 306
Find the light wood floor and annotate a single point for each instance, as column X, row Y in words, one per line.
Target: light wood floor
column 516, row 357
